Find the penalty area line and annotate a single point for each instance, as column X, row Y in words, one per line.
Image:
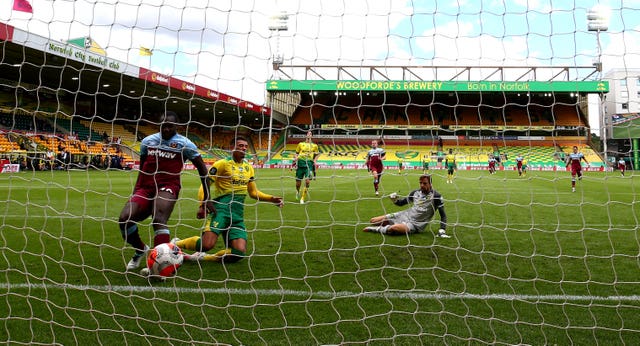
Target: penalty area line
column 323, row 294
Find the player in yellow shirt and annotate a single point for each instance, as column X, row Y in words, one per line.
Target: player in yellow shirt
column 426, row 160
column 450, row 163
column 305, row 158
column 233, row 179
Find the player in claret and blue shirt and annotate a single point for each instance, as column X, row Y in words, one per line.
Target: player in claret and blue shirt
column 162, row 157
column 574, row 160
column 622, row 165
column 492, row 164
column 519, row 163
column 374, row 163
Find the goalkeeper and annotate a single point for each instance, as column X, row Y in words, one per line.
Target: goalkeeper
column 233, row 179
column 424, row 203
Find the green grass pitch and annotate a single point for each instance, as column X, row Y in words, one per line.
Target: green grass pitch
column 528, row 262
column 626, row 130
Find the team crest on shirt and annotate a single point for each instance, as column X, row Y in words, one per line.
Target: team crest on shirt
column 173, row 145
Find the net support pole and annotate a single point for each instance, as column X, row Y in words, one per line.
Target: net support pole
column 270, row 143
column 636, row 154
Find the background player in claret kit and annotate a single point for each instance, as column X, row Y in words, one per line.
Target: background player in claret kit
column 233, row 179
column 305, row 159
column 424, row 201
column 519, row 162
column 374, row 163
column 622, row 165
column 162, row 156
column 492, row 164
column 574, row 160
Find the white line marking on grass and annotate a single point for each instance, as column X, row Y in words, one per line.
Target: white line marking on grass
column 323, row 294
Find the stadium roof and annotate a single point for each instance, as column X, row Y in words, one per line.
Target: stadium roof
column 34, row 62
column 438, row 86
column 435, row 72
column 473, row 79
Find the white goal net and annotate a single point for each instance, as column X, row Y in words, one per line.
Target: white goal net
column 496, row 101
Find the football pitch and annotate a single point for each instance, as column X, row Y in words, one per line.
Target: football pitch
column 528, row 262
column 629, row 129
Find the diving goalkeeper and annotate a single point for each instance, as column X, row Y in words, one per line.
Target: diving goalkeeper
column 424, row 203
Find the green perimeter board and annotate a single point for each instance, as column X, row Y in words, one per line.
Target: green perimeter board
column 446, row 86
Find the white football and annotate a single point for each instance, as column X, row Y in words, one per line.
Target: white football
column 165, row 259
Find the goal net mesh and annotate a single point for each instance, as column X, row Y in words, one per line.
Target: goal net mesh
column 534, row 253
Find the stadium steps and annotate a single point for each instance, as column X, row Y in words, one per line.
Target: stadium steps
column 113, row 130
column 84, row 133
column 542, row 155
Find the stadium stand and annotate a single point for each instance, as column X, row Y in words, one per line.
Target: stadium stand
column 538, row 128
column 78, row 129
column 114, row 130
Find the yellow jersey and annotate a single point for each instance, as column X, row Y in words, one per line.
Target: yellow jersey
column 307, row 151
column 450, row 160
column 229, row 178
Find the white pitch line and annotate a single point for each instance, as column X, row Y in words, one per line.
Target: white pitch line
column 325, row 294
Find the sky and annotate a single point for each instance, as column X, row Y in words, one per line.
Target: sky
column 227, row 45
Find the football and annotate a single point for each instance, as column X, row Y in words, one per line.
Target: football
column 164, row 260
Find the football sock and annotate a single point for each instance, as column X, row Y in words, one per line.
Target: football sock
column 222, row 252
column 304, row 192
column 162, row 236
column 133, row 238
column 228, row 255
column 161, row 239
column 192, row 243
column 235, row 256
column 217, row 257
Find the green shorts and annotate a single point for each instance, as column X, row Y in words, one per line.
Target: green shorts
column 229, row 218
column 304, row 170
